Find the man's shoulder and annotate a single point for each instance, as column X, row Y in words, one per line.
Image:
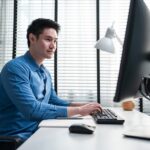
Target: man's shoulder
column 19, row 61
column 16, row 64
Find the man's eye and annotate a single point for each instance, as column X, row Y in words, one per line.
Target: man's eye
column 51, row 40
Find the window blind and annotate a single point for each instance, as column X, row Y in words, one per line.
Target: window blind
column 76, row 52
column 6, row 31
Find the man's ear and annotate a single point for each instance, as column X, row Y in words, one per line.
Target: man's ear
column 32, row 38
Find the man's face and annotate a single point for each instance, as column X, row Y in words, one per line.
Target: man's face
column 45, row 45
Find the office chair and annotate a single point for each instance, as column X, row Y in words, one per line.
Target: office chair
column 9, row 143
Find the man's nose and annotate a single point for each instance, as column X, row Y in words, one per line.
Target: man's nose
column 52, row 44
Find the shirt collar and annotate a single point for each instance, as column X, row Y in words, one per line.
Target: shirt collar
column 32, row 62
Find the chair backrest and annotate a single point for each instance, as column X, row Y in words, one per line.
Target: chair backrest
column 9, row 142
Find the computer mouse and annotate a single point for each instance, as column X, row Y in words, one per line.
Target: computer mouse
column 81, row 128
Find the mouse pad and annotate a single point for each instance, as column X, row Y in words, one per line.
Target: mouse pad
column 142, row 132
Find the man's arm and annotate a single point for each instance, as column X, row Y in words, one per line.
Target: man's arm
column 74, row 108
column 15, row 80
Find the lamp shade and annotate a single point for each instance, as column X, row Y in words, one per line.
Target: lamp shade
column 105, row 44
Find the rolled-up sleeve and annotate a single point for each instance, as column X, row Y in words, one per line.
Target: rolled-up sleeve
column 15, row 80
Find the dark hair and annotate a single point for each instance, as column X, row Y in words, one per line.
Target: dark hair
column 38, row 25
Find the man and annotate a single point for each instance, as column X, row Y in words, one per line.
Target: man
column 26, row 93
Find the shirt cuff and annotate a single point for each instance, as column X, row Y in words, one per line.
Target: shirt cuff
column 67, row 103
column 61, row 111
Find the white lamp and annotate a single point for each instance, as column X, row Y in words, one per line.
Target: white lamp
column 106, row 43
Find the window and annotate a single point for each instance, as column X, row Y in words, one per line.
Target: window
column 76, row 52
column 76, row 57
column 6, row 31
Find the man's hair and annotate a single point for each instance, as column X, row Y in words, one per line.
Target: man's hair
column 38, row 25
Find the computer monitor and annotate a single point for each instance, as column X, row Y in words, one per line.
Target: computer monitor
column 135, row 64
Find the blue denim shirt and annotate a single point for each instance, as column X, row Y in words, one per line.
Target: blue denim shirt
column 27, row 97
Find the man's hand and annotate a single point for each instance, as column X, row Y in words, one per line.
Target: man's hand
column 85, row 109
column 89, row 109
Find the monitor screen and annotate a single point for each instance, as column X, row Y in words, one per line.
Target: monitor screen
column 135, row 48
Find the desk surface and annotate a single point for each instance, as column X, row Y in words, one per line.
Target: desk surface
column 105, row 137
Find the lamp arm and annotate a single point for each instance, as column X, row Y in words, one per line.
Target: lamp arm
column 119, row 40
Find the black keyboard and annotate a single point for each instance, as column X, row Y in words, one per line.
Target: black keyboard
column 107, row 116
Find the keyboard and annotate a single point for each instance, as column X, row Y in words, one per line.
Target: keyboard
column 107, row 116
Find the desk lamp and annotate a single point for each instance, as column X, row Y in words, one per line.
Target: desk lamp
column 106, row 43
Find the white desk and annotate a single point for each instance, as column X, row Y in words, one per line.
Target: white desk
column 105, row 137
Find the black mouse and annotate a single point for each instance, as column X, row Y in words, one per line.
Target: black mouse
column 81, row 128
